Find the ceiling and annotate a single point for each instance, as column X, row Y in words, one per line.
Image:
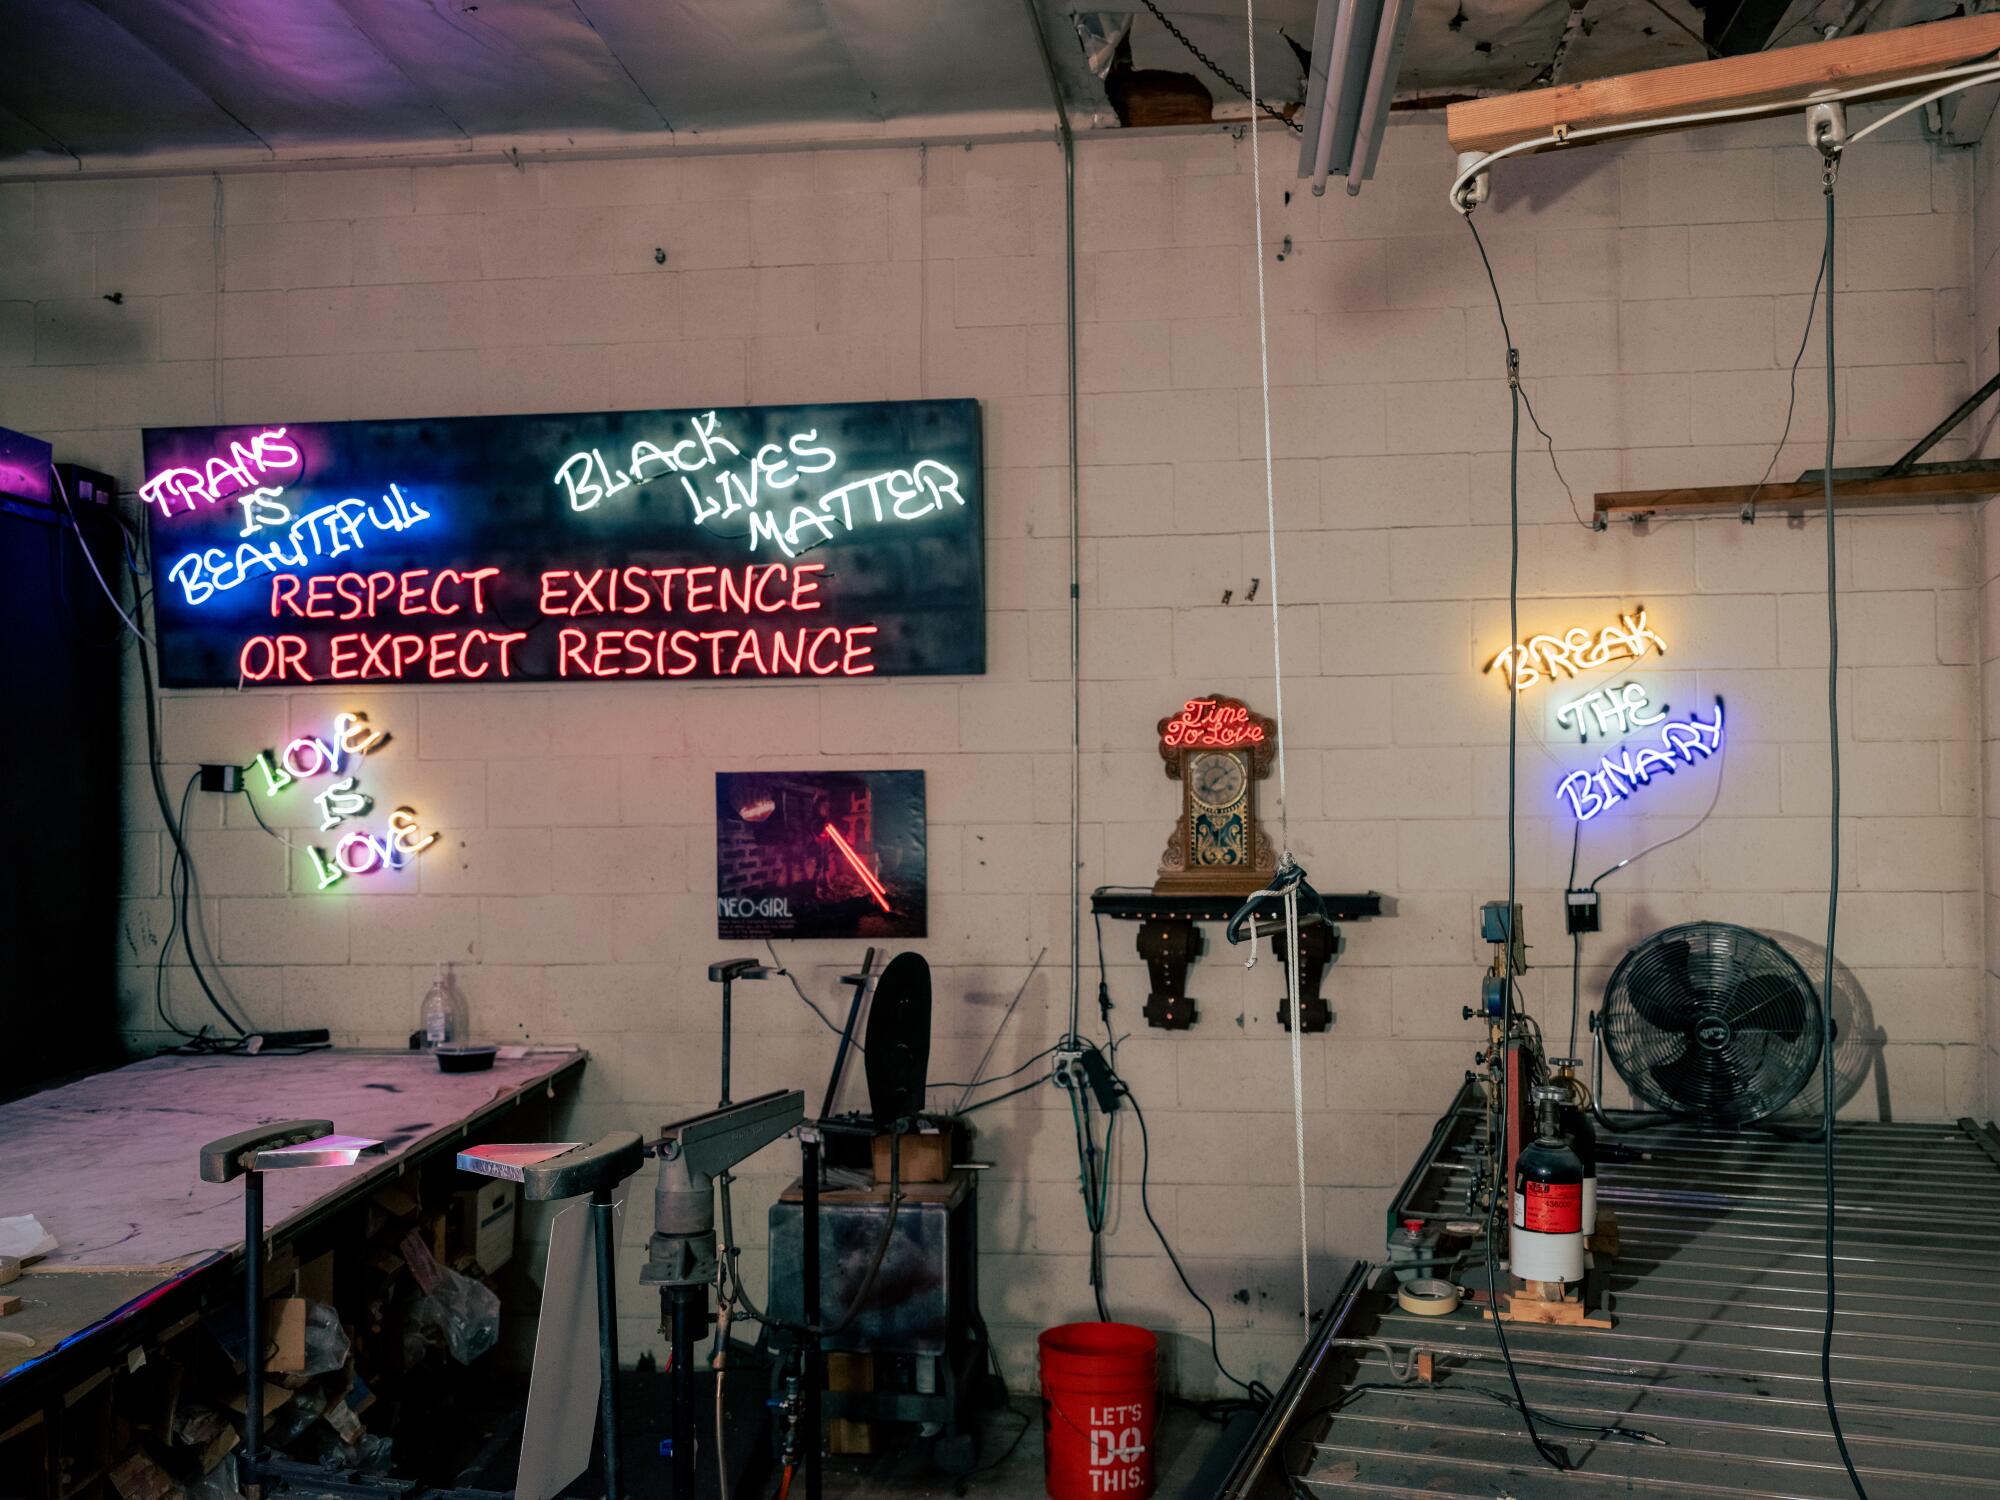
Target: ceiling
column 125, row 84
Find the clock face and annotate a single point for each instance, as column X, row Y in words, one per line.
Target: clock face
column 1217, row 779
column 1218, row 808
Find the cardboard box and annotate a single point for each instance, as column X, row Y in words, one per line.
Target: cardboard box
column 285, row 1325
column 486, row 1217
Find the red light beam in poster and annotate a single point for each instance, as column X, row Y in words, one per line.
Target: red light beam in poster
column 867, row 875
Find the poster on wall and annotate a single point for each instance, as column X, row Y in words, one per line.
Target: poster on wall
column 820, row 854
column 732, row 543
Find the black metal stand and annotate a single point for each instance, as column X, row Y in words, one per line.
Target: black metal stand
column 253, row 1334
column 815, row 1358
column 604, row 1231
column 688, row 1313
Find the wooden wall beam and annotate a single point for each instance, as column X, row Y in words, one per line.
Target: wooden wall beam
column 1759, row 78
column 1924, row 488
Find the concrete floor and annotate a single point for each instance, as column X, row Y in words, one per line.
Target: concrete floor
column 1181, row 1444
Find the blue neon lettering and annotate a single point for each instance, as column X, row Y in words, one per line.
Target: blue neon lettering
column 1683, row 742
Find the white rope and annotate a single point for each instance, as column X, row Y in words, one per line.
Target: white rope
column 1264, row 379
column 1278, row 682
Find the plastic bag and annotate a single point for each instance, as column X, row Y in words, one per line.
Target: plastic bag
column 464, row 1312
column 219, row 1483
column 326, row 1340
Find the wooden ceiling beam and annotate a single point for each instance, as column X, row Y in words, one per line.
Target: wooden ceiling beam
column 1771, row 79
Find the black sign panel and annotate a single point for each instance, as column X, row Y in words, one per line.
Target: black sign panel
column 746, row 542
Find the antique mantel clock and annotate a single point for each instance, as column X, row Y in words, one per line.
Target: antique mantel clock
column 1218, row 750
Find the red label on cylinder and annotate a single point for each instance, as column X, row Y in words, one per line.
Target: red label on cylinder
column 1550, row 1207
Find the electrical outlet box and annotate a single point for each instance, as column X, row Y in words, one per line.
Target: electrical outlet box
column 221, row 778
column 1581, row 912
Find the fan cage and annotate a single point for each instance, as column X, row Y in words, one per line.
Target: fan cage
column 1712, row 1021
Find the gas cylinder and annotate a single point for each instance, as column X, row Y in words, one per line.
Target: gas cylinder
column 1574, row 1121
column 1545, row 1239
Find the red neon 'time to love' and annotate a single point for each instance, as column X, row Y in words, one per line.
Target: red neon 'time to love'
column 1206, row 724
column 875, row 887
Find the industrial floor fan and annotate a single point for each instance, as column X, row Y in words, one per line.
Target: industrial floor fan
column 1712, row 1021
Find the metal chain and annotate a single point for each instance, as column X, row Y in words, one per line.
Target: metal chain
column 1210, row 63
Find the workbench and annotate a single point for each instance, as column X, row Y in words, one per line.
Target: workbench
column 108, row 1165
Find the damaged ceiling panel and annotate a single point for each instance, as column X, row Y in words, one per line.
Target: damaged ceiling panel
column 121, row 83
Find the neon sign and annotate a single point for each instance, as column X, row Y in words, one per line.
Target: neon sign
column 907, row 493
column 358, row 852
column 327, row 531
column 812, row 541
column 1206, row 724
column 1682, row 742
column 1576, row 651
column 245, row 467
column 1613, row 712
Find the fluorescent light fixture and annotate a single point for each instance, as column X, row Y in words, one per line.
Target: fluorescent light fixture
column 1357, row 52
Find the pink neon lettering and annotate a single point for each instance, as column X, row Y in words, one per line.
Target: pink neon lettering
column 1207, row 724
column 179, row 490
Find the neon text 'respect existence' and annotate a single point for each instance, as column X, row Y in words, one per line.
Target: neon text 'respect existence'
column 332, row 758
column 1543, row 658
column 333, row 618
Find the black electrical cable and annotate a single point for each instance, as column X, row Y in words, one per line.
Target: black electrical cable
column 150, row 698
column 1833, row 841
column 1095, row 1176
column 805, row 999
column 1255, row 1390
column 1549, row 1452
column 1792, row 384
column 1576, row 939
column 173, row 927
column 1011, row 1093
column 1002, row 1077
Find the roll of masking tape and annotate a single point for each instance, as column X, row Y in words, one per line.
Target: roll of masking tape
column 1427, row 1297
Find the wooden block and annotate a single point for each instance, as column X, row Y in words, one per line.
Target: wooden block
column 1773, row 79
column 9, row 1305
column 850, row 1372
column 1521, row 1307
column 925, row 1158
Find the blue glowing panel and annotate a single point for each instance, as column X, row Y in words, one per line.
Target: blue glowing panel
column 746, row 542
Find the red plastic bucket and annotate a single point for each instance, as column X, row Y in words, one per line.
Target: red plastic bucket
column 1100, row 1390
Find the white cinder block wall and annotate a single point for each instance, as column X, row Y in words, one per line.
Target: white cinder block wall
column 1656, row 293
column 1983, row 427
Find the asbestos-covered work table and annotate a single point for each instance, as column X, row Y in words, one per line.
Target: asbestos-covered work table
column 1717, row 1297
column 108, row 1165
